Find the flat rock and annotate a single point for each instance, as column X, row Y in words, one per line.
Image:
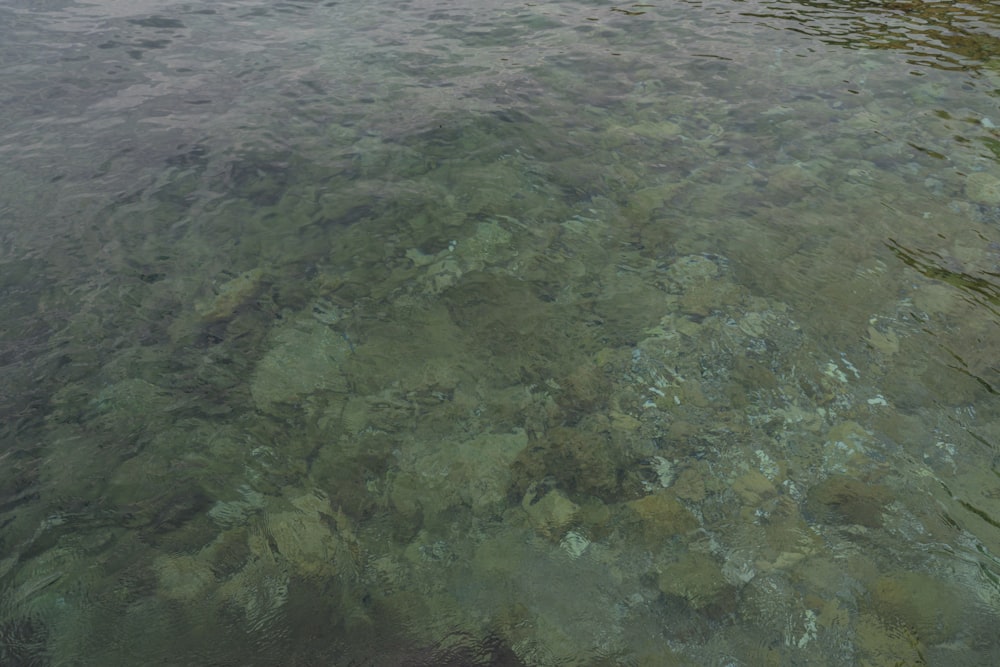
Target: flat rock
column 306, row 358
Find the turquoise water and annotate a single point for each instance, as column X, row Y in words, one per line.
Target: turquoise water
column 499, row 334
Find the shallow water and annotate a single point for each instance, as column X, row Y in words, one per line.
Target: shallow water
column 499, row 334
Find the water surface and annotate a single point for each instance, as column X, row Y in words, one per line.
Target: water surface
column 499, row 334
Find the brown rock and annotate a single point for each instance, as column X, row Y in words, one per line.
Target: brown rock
column 661, row 515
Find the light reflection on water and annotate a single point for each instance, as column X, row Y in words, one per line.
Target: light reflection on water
column 528, row 334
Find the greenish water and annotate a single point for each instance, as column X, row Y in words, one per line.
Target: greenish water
column 499, row 333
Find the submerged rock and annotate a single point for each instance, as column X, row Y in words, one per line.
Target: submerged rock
column 230, row 296
column 307, row 357
column 983, row 188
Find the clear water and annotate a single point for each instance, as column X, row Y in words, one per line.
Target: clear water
column 430, row 333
